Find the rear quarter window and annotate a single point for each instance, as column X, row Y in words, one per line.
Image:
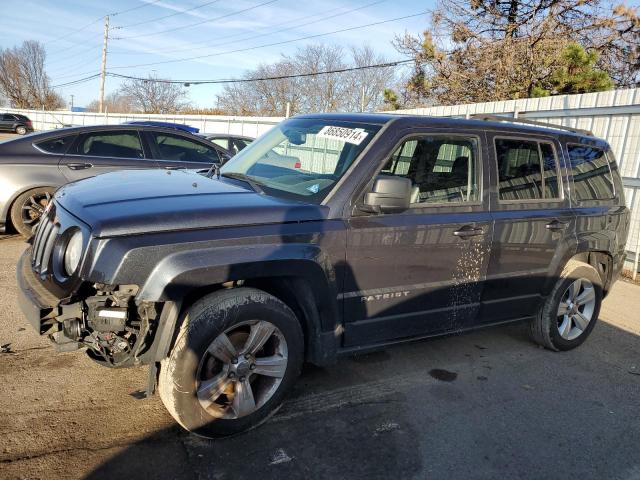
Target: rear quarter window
column 592, row 178
column 58, row 145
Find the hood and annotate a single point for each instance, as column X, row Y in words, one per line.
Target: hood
column 140, row 201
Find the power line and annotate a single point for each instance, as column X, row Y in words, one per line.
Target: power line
column 238, row 80
column 204, row 45
column 261, row 79
column 74, row 31
column 99, row 19
column 146, row 4
column 273, row 32
column 197, row 23
column 168, row 16
column 75, row 55
column 73, row 75
column 307, row 37
column 75, row 82
column 72, row 67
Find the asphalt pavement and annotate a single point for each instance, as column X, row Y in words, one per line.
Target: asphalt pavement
column 486, row 405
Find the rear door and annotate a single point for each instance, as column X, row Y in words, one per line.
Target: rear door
column 7, row 121
column 173, row 150
column 420, row 272
column 104, row 151
column 534, row 226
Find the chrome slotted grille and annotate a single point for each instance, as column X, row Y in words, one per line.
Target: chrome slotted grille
column 46, row 233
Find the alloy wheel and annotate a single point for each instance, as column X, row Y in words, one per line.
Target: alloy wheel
column 34, row 207
column 241, row 369
column 576, row 308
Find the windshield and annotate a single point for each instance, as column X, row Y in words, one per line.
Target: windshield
column 301, row 158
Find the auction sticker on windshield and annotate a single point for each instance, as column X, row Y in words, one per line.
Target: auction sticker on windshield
column 349, row 135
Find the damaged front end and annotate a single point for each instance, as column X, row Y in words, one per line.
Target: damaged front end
column 116, row 330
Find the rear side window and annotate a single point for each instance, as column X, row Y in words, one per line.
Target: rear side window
column 592, row 177
column 527, row 170
column 119, row 144
column 56, row 145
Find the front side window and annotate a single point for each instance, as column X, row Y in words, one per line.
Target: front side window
column 527, row 170
column 592, row 178
column 442, row 169
column 176, row 147
column 119, row 144
column 302, row 158
column 57, row 145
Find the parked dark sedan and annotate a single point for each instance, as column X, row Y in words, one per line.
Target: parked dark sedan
column 13, row 122
column 32, row 168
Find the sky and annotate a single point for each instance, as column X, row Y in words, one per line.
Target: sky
column 155, row 36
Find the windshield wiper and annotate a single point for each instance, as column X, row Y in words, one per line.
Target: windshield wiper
column 244, row 178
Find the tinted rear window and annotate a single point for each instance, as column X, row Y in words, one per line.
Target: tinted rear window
column 57, row 145
column 592, row 177
column 527, row 170
column 112, row 143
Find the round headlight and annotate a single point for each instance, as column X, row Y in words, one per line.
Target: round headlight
column 73, row 253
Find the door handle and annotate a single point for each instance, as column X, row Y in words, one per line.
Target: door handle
column 79, row 166
column 556, row 226
column 468, row 231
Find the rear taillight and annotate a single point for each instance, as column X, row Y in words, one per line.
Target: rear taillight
column 297, row 165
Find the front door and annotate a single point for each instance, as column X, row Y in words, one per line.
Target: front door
column 420, row 272
column 104, row 151
column 534, row 226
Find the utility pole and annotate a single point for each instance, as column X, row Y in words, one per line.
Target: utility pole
column 71, row 102
column 103, row 68
column 362, row 100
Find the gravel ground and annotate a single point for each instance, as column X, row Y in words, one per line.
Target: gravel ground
column 508, row 410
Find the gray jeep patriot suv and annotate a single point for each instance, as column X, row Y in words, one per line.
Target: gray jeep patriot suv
column 329, row 235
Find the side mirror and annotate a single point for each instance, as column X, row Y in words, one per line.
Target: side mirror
column 390, row 194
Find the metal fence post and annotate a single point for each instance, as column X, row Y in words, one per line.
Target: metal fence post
column 637, row 258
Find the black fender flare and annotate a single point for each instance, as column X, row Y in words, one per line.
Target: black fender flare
column 180, row 273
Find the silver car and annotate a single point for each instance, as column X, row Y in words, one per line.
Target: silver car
column 33, row 167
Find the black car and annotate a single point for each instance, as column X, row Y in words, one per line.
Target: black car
column 14, row 122
column 33, row 167
column 392, row 228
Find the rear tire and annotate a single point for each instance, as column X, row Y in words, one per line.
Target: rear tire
column 28, row 208
column 570, row 312
column 21, row 130
column 214, row 383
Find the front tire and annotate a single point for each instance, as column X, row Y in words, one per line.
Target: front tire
column 236, row 356
column 570, row 312
column 28, row 208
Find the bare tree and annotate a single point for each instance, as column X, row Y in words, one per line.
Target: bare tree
column 367, row 86
column 114, row 102
column 23, row 79
column 152, row 95
column 306, row 88
column 485, row 50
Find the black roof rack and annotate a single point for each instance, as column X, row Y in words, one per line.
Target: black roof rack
column 498, row 118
